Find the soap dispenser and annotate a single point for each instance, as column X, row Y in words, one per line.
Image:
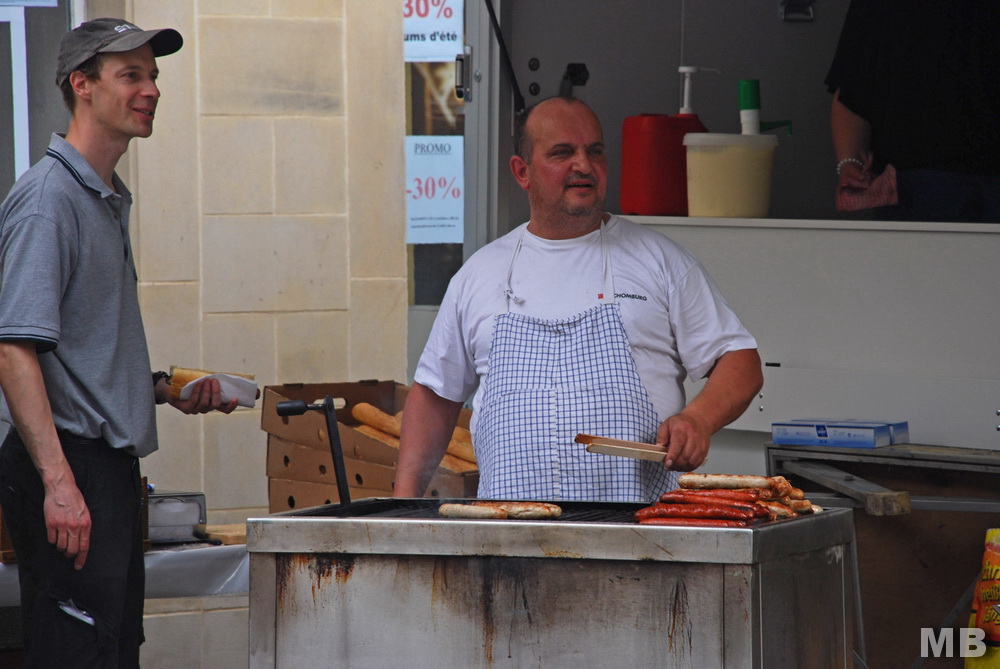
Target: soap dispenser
column 654, row 160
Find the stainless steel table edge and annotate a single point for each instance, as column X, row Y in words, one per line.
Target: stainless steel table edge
column 281, row 533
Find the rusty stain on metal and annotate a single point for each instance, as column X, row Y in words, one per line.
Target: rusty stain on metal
column 439, row 582
column 283, row 578
column 489, row 588
column 323, row 568
column 563, row 554
column 498, row 575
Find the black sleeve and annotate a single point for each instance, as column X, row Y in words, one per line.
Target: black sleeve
column 859, row 59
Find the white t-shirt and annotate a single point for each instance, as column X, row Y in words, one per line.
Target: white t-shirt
column 677, row 322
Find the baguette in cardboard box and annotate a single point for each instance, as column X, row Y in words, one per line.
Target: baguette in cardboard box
column 460, row 445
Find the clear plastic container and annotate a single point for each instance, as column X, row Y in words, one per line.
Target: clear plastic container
column 729, row 176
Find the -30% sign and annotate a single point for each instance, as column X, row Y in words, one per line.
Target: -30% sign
column 424, row 8
column 434, row 188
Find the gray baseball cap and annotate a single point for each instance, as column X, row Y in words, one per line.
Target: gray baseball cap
column 110, row 36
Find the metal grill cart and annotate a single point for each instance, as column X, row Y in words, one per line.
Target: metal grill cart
column 386, row 581
column 383, row 582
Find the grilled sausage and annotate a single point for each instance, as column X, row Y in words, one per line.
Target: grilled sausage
column 682, row 497
column 695, row 522
column 748, row 496
column 661, row 510
column 690, row 480
column 778, row 509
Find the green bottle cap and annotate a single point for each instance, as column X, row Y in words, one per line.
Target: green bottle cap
column 749, row 94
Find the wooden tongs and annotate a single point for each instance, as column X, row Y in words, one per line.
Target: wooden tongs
column 622, row 448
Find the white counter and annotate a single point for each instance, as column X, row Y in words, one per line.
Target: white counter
column 184, row 570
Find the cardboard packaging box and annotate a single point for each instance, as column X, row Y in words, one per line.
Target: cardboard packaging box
column 850, row 433
column 899, row 430
column 299, row 464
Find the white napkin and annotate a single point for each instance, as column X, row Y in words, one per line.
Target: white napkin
column 244, row 390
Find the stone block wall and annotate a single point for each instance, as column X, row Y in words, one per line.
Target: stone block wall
column 269, row 220
column 270, row 237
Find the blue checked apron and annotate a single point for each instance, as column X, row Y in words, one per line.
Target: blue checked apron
column 549, row 380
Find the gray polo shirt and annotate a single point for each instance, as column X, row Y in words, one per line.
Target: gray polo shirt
column 68, row 283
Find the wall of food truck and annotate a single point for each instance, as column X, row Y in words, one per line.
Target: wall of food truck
column 853, row 317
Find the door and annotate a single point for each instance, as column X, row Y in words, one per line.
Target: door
column 441, row 119
column 30, row 31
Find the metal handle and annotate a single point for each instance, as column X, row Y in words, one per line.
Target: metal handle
column 299, row 407
column 292, row 408
column 463, row 74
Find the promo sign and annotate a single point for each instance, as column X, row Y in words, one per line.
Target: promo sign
column 435, row 207
column 432, row 30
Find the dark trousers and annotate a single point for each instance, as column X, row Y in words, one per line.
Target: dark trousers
column 950, row 197
column 109, row 590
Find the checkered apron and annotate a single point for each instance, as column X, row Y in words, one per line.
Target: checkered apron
column 549, row 380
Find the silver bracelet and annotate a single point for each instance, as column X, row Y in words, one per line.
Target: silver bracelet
column 856, row 161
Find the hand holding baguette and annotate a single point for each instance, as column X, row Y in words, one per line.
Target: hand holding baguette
column 208, row 395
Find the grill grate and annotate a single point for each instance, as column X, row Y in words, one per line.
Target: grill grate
column 426, row 509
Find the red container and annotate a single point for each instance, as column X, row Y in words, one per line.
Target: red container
column 654, row 164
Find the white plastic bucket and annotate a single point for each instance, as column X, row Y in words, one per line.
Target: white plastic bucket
column 729, row 175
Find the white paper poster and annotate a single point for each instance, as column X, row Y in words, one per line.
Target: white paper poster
column 432, row 30
column 435, row 203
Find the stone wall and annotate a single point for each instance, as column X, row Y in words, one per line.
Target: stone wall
column 270, row 237
column 269, row 224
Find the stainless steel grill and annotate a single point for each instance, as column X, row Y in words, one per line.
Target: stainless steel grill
column 385, row 582
column 426, row 509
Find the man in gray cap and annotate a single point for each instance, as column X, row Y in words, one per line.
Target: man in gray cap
column 74, row 367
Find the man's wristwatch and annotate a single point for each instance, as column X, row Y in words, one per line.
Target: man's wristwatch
column 157, row 377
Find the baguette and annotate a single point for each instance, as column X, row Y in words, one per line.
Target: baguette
column 460, row 445
column 449, row 462
column 458, row 435
column 462, row 449
column 458, row 465
column 378, row 434
column 181, row 376
column 373, row 416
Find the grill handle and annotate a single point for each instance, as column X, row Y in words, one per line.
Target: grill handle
column 299, row 407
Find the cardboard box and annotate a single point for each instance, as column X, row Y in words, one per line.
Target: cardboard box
column 370, row 463
column 852, row 434
column 286, row 495
column 899, row 431
column 287, row 460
